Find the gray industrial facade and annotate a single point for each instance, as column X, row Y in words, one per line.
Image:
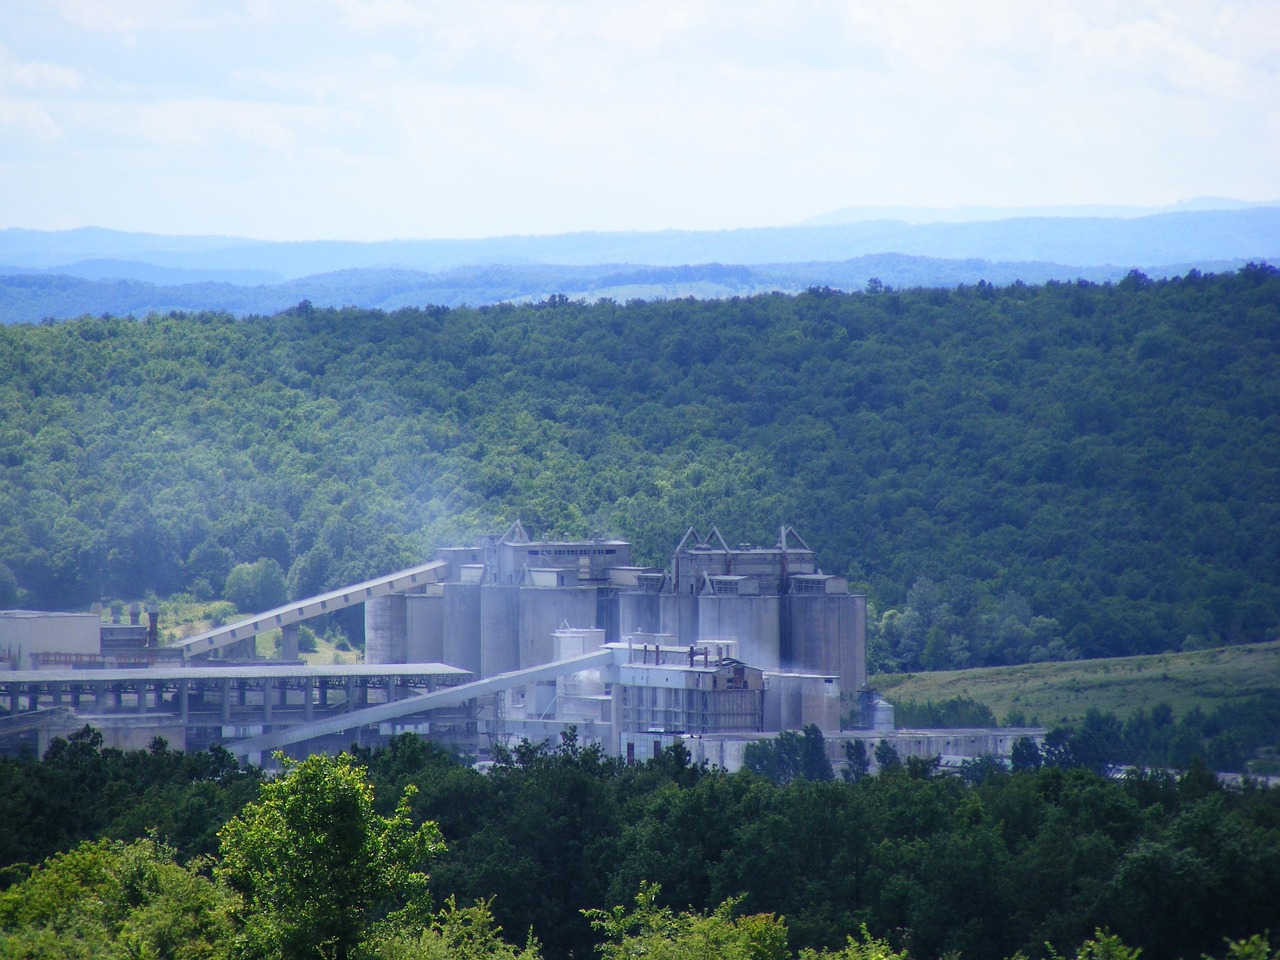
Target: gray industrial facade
column 497, row 606
column 506, row 638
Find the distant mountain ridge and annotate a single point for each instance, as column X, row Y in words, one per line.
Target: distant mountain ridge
column 971, row 214
column 92, row 270
column 27, row 298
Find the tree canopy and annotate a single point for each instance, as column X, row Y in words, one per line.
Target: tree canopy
column 328, row 860
column 314, row 863
column 1013, row 474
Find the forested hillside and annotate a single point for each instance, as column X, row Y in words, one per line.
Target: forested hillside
column 1013, row 474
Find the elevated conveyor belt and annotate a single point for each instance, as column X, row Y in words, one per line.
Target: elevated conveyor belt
column 203, row 644
column 451, row 697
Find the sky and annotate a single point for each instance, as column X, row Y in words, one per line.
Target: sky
column 402, row 119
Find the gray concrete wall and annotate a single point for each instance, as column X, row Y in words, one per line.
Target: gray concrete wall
column 462, row 630
column 858, row 679
column 639, row 613
column 971, row 742
column 829, row 636
column 424, row 626
column 680, row 617
column 544, row 610
column 792, row 702
column 822, row 636
column 752, row 621
column 24, row 632
column 726, row 750
column 385, row 629
column 499, row 629
column 121, row 734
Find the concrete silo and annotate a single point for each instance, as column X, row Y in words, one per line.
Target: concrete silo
column 827, row 630
column 752, row 620
column 499, row 629
column 461, row 644
column 424, row 626
column 385, row 629
column 544, row 610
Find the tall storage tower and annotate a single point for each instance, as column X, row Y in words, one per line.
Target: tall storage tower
column 504, row 599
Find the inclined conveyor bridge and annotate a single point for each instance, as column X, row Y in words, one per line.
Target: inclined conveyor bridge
column 254, row 747
column 287, row 618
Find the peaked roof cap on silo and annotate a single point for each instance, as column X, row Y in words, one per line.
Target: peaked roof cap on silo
column 693, row 540
column 789, row 534
column 516, row 533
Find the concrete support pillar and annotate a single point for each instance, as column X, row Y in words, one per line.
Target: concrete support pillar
column 308, row 696
column 183, row 711
column 364, row 691
column 289, row 641
column 100, row 695
column 268, row 695
column 15, row 698
column 226, row 700
column 56, row 690
column 324, row 692
column 142, row 695
column 351, row 694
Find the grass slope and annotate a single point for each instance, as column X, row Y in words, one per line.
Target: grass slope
column 1050, row 693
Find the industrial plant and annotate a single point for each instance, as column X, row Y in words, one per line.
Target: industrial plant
column 507, row 638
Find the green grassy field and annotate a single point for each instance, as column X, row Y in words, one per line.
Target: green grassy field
column 1051, row 693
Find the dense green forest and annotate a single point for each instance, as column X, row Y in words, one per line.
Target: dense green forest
column 1013, row 474
column 406, row 852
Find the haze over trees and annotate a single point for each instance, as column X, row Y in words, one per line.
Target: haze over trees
column 1020, row 473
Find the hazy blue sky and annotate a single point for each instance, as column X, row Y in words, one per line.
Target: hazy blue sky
column 377, row 119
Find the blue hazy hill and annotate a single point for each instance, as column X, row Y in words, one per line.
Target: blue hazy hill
column 92, row 270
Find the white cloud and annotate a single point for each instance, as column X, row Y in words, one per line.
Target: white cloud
column 23, row 120
column 380, row 117
column 38, row 77
column 204, row 123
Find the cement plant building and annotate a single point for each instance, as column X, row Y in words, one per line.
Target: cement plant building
column 501, row 605
column 508, row 637
column 501, row 601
